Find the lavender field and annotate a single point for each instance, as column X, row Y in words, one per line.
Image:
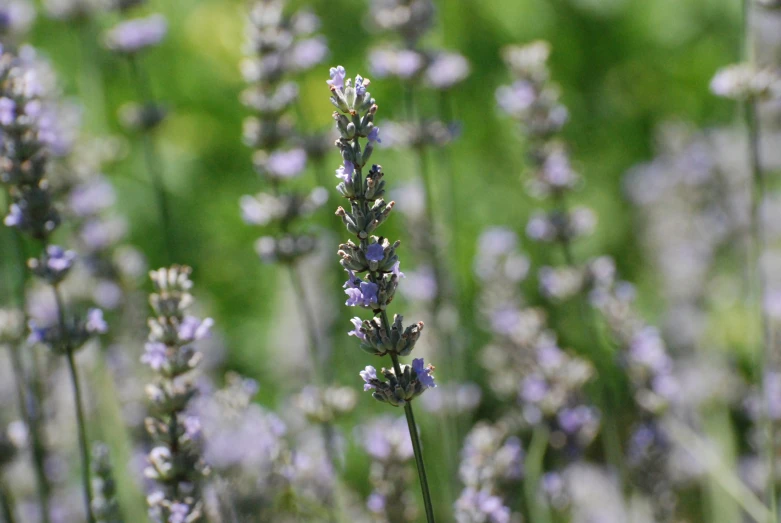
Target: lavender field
column 390, row 261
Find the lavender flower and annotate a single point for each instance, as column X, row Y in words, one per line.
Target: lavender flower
column 54, row 264
column 175, row 462
column 133, row 36
column 354, row 118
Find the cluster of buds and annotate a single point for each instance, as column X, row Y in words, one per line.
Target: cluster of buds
column 398, row 390
column 387, row 442
column 534, row 101
column 376, row 340
column 105, row 505
column 29, row 139
column 643, row 351
column 550, row 388
column 374, row 256
column 175, row 461
column 491, row 467
column 26, row 126
column 279, row 44
column 112, row 267
column 411, row 20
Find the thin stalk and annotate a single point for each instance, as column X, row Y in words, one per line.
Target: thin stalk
column 611, row 440
column 319, row 356
column 759, row 240
column 413, row 434
column 77, row 398
column 91, row 85
column 6, row 503
column 152, row 161
column 411, row 424
column 310, row 327
column 30, row 404
column 538, row 513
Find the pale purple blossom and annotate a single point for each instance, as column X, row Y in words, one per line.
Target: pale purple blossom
column 7, row 111
column 337, row 77
column 135, row 35
column 357, row 323
column 368, row 374
column 285, row 164
column 345, row 172
column 95, row 322
column 155, row 355
column 424, row 373
column 194, row 329
column 446, row 70
column 305, row 54
column 375, row 252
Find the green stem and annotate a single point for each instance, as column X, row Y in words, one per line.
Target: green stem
column 30, row 403
column 6, row 502
column 759, row 240
column 152, row 161
column 534, row 468
column 611, row 441
column 413, row 434
column 77, row 398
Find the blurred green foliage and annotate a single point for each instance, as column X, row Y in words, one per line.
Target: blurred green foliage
column 624, row 66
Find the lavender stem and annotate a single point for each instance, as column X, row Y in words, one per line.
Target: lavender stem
column 77, row 398
column 152, row 162
column 29, row 402
column 7, row 502
column 759, row 241
column 413, row 434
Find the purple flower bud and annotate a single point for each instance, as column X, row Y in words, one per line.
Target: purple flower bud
column 360, row 85
column 7, row 111
column 374, row 135
column 193, row 329
column 337, row 77
column 286, row 164
column 154, row 355
column 395, row 270
column 375, row 252
column 345, row 172
column 95, row 322
column 135, row 35
column 357, row 323
column 58, row 260
column 368, row 374
column 424, row 373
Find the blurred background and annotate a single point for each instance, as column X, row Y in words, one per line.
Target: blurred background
column 634, row 77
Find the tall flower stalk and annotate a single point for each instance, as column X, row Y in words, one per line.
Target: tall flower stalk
column 419, row 69
column 128, row 39
column 27, row 134
column 375, row 257
column 175, row 461
column 533, row 99
column 749, row 83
